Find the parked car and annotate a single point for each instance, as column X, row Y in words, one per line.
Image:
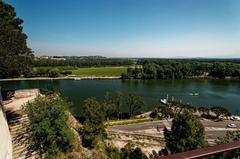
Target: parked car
column 235, row 118
column 221, row 117
column 232, row 125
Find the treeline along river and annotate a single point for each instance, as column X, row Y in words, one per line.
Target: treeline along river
column 201, row 92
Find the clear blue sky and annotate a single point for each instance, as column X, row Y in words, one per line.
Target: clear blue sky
column 132, row 28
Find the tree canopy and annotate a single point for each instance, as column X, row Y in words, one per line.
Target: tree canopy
column 134, row 103
column 131, row 152
column 49, row 133
column 112, row 104
column 230, row 136
column 182, row 69
column 83, row 62
column 94, row 115
column 15, row 56
column 187, row 133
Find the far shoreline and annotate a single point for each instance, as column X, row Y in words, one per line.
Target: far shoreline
column 63, row 78
column 105, row 78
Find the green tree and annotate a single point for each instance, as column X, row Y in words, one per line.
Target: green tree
column 160, row 73
column 94, row 115
column 229, row 137
column 15, row 56
column 162, row 112
column 131, row 152
column 112, row 152
column 93, row 111
column 112, row 104
column 151, row 70
column 49, row 133
column 187, row 133
column 54, row 72
column 134, row 103
column 218, row 70
column 166, row 112
column 204, row 110
column 90, row 133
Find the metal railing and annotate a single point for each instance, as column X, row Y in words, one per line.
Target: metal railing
column 204, row 152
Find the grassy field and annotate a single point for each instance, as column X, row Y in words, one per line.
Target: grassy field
column 99, row 71
column 93, row 71
column 128, row 121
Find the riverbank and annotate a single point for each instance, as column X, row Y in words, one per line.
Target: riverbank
column 73, row 77
column 63, row 78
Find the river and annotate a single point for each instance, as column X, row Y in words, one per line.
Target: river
column 210, row 92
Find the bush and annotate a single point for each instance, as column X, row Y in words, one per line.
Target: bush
column 112, row 152
column 49, row 133
column 93, row 125
column 131, row 152
column 28, row 74
column 154, row 113
column 125, row 76
column 53, row 72
column 187, row 133
column 42, row 71
column 89, row 134
column 67, row 72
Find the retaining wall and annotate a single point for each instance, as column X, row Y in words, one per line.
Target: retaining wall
column 5, row 137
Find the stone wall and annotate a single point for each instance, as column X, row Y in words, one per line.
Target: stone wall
column 5, row 137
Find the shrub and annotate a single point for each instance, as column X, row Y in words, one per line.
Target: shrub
column 154, row 113
column 49, row 133
column 53, row 72
column 66, row 72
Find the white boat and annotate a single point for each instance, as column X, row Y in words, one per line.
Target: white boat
column 163, row 101
column 77, row 78
column 193, row 94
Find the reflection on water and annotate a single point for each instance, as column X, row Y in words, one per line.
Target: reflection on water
column 210, row 92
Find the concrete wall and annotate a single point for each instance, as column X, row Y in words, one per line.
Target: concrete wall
column 5, row 137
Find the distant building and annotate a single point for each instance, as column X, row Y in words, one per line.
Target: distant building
column 50, row 57
column 43, row 57
column 57, row 58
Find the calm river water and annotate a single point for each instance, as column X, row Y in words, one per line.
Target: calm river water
column 211, row 92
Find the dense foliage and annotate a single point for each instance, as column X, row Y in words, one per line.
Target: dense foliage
column 49, row 72
column 171, row 69
column 131, row 152
column 49, row 133
column 83, row 62
column 112, row 105
column 187, row 133
column 93, row 125
column 96, row 112
column 230, row 136
column 134, row 103
column 162, row 112
column 15, row 56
